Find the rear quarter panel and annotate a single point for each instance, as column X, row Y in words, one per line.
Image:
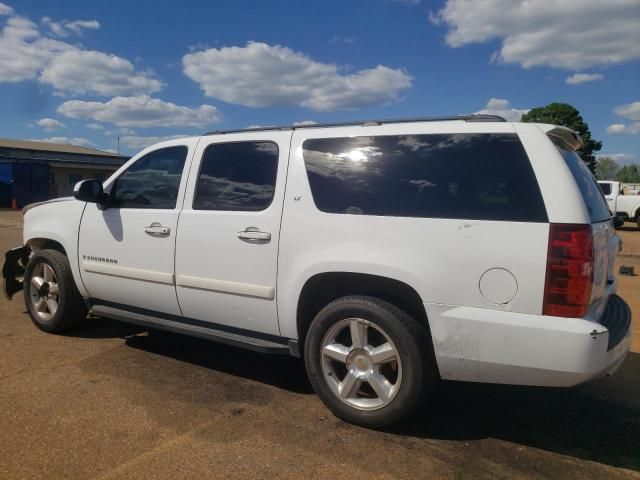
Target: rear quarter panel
column 442, row 259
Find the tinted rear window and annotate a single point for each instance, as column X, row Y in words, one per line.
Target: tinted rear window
column 239, row 176
column 461, row 176
column 591, row 194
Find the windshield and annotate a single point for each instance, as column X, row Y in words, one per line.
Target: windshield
column 591, row 194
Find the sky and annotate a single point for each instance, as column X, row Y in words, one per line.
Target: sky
column 87, row 72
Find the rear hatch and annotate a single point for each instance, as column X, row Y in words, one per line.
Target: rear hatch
column 605, row 241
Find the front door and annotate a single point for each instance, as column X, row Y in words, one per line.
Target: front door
column 126, row 252
column 227, row 246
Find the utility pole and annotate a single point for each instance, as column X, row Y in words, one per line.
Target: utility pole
column 118, row 144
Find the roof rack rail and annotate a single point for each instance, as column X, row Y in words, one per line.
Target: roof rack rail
column 368, row 123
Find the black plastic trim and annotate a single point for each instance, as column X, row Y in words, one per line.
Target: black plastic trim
column 617, row 319
column 238, row 337
column 369, row 123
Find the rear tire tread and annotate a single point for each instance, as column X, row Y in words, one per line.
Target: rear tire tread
column 412, row 337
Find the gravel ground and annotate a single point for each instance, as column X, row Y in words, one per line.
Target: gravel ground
column 113, row 401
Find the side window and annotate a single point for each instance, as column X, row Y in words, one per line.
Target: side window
column 152, row 182
column 606, row 188
column 238, row 176
column 462, row 176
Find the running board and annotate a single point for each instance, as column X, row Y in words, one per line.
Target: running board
column 186, row 327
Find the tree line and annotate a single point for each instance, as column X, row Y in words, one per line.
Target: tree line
column 604, row 168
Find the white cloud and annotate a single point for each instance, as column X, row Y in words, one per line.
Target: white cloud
column 578, row 78
column 50, row 124
column 80, row 142
column 262, row 75
column 5, row 9
column 502, row 107
column 82, row 71
column 141, row 111
column 629, row 111
column 562, row 34
column 630, row 128
column 26, row 53
column 304, row 122
column 66, row 27
column 94, row 126
column 138, row 142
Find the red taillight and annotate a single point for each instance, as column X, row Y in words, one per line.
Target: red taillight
column 567, row 289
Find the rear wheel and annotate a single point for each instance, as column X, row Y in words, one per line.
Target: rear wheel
column 368, row 361
column 50, row 294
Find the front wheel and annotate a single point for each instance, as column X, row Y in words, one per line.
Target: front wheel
column 368, row 361
column 50, row 294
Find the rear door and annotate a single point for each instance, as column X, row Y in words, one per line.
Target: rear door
column 227, row 246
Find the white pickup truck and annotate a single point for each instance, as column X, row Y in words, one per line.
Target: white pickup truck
column 625, row 207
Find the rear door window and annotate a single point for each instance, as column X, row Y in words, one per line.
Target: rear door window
column 591, row 194
column 461, row 176
column 239, row 176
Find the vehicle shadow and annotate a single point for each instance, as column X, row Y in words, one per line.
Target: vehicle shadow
column 599, row 421
column 281, row 371
column 99, row 327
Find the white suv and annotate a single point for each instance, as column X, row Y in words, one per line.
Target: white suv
column 386, row 254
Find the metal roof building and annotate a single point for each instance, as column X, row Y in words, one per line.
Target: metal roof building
column 36, row 171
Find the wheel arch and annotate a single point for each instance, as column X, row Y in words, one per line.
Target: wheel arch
column 323, row 288
column 41, row 243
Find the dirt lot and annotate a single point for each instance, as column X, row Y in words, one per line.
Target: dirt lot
column 113, row 401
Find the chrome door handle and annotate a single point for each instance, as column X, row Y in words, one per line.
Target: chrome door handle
column 157, row 230
column 254, row 235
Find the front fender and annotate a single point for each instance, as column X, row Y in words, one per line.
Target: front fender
column 58, row 222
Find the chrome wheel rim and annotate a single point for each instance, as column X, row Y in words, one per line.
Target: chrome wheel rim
column 361, row 364
column 44, row 292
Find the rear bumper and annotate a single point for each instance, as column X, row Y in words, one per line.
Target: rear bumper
column 482, row 345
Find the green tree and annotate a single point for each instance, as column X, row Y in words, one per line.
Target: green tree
column 567, row 116
column 606, row 169
column 629, row 174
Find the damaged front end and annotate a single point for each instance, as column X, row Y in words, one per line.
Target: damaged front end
column 15, row 262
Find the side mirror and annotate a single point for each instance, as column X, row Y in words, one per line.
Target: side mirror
column 90, row 191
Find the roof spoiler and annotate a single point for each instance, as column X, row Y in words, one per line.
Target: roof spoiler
column 565, row 136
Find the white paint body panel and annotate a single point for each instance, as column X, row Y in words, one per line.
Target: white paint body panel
column 220, row 277
column 58, row 221
column 144, row 274
column 442, row 259
column 481, row 345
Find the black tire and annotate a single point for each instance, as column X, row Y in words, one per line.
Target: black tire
column 71, row 307
column 411, row 341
